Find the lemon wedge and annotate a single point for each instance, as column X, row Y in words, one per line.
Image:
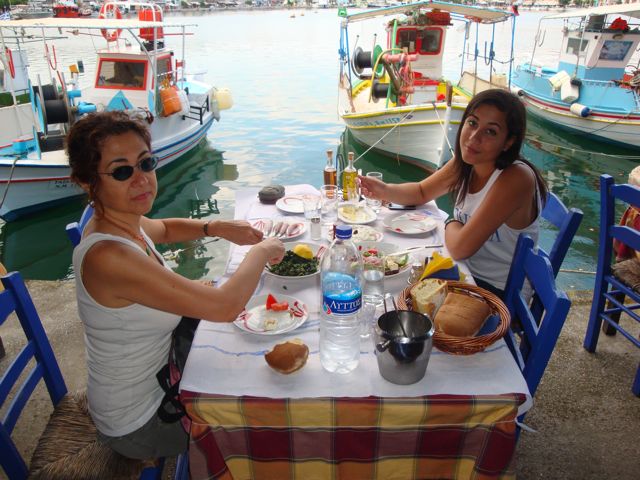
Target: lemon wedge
column 303, row 250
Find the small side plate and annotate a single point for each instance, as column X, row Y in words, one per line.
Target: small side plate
column 410, row 223
column 255, row 314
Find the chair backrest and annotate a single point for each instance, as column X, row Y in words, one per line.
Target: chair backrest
column 567, row 221
column 74, row 229
column 16, row 298
column 536, row 340
column 609, row 228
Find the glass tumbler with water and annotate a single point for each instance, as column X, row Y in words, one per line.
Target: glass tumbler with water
column 340, row 279
column 372, row 202
column 329, row 203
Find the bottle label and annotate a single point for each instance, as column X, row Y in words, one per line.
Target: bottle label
column 343, row 304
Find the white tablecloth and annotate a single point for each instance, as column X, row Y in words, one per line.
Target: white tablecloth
column 225, row 360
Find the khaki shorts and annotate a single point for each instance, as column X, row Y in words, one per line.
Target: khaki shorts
column 154, row 439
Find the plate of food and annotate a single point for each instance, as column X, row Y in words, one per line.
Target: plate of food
column 301, row 260
column 410, row 223
column 293, row 203
column 271, row 315
column 282, row 228
column 361, row 233
column 356, row 214
column 373, row 252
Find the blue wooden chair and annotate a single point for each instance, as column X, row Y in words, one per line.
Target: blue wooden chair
column 68, row 448
column 74, row 229
column 533, row 345
column 608, row 287
column 567, row 221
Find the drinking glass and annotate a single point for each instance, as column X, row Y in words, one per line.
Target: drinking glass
column 368, row 316
column 329, row 203
column 312, row 213
column 373, row 203
column 373, row 288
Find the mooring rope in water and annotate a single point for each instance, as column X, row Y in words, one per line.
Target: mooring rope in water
column 6, row 190
column 571, row 270
column 577, row 150
column 382, row 137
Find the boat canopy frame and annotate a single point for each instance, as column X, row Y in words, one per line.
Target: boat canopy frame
column 461, row 13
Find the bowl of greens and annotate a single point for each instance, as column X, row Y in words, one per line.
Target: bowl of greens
column 301, row 260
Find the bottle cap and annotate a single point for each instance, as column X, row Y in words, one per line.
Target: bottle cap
column 343, row 232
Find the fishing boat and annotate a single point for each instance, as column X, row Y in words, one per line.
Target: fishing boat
column 135, row 72
column 68, row 9
column 594, row 87
column 395, row 99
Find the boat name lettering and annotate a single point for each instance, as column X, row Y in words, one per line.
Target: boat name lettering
column 375, row 123
column 60, row 184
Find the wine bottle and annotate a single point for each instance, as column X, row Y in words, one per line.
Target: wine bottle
column 330, row 175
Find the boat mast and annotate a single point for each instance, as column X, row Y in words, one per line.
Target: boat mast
column 535, row 44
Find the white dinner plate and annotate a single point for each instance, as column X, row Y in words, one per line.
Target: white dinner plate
column 315, row 248
column 293, row 203
column 356, row 214
column 410, row 223
column 361, row 233
column 294, row 227
column 255, row 314
column 386, row 249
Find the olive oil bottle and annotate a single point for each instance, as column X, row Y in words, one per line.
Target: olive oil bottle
column 349, row 183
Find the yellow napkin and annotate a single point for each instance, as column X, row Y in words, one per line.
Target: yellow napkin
column 437, row 263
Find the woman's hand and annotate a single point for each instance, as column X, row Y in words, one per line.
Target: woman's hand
column 239, row 232
column 372, row 187
column 274, row 250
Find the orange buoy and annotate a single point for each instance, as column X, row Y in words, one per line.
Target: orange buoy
column 170, row 101
column 110, row 10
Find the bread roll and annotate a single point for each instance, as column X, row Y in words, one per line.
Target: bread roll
column 287, row 357
column 461, row 315
column 428, row 295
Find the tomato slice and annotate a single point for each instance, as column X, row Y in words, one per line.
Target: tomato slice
column 271, row 300
column 280, row 307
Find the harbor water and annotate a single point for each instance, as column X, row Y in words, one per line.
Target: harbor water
column 283, row 74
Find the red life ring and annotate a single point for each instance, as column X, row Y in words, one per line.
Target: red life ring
column 12, row 67
column 110, row 10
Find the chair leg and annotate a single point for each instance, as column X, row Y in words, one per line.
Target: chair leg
column 607, row 328
column 636, row 383
column 597, row 307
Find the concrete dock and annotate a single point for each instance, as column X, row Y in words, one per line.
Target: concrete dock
column 586, row 418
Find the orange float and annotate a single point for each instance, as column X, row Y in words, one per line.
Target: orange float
column 110, row 10
column 170, row 101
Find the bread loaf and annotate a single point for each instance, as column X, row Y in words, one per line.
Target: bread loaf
column 287, row 357
column 461, row 315
column 428, row 295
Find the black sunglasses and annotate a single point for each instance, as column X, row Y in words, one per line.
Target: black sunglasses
column 124, row 172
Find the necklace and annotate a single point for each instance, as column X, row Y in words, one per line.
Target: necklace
column 131, row 233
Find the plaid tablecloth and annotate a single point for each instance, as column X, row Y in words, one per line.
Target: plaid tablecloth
column 440, row 436
column 250, row 422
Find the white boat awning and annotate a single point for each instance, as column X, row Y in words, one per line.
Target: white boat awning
column 483, row 15
column 86, row 23
column 630, row 10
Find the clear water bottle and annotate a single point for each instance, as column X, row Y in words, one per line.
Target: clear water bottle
column 341, row 280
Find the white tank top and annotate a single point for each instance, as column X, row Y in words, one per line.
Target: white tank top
column 492, row 261
column 126, row 347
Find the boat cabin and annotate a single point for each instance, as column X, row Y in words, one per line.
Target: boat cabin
column 599, row 51
column 123, row 79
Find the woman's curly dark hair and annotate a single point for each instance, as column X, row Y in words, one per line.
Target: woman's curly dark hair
column 86, row 139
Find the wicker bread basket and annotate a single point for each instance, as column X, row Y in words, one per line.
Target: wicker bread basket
column 466, row 345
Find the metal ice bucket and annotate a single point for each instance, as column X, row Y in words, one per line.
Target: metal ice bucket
column 403, row 345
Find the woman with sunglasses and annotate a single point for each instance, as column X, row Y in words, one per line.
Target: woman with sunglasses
column 497, row 194
column 129, row 300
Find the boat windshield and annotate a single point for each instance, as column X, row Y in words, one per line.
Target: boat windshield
column 128, row 74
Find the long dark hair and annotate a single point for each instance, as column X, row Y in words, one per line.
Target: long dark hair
column 516, row 120
column 85, row 141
